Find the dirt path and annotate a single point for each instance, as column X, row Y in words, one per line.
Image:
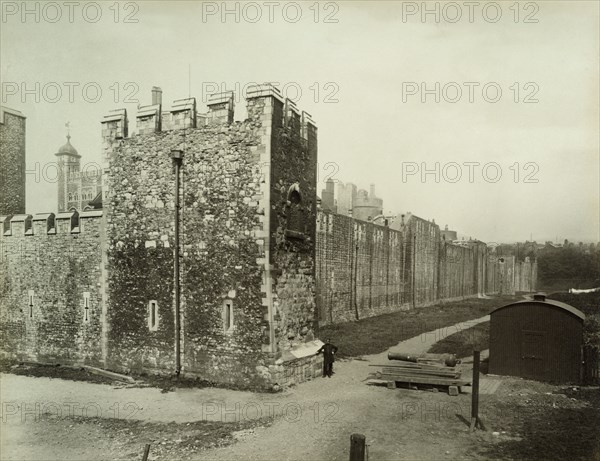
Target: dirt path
column 314, row 420
column 332, row 409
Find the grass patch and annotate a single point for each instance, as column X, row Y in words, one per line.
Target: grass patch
column 123, row 438
column 554, row 427
column 374, row 335
column 464, row 342
column 165, row 382
column 40, row 370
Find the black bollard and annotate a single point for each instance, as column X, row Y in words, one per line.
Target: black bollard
column 357, row 447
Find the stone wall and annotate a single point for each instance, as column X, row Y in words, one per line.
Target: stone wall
column 423, row 242
column 361, row 269
column 12, row 162
column 364, row 269
column 526, row 275
column 260, row 268
column 51, row 271
column 456, row 277
column 293, row 225
column 248, row 205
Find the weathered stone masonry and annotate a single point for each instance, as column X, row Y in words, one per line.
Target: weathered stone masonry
column 365, row 269
column 248, row 211
column 260, row 268
column 50, row 266
column 12, row 162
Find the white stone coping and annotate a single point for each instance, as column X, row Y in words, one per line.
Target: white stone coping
column 291, row 106
column 91, row 214
column 307, row 118
column 43, row 216
column 219, row 98
column 21, row 218
column 264, row 89
column 8, row 110
column 66, row 215
column 115, row 115
column 146, row 111
column 304, row 350
column 183, row 104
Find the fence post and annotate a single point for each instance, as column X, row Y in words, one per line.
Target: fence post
column 357, row 447
column 475, row 394
column 146, row 452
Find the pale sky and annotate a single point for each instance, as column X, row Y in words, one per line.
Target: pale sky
column 368, row 68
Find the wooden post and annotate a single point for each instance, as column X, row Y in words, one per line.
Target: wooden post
column 475, row 394
column 146, row 452
column 357, row 447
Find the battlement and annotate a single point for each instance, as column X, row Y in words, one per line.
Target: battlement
column 183, row 114
column 71, row 222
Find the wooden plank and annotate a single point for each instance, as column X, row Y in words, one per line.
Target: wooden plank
column 109, row 374
column 413, row 365
column 429, row 369
column 425, row 380
column 421, row 373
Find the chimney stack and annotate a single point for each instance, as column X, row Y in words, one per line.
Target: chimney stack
column 156, row 95
column 372, row 191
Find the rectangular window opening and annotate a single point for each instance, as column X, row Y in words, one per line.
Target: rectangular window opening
column 228, row 316
column 153, row 315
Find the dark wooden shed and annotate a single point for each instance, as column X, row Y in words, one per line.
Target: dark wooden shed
column 538, row 339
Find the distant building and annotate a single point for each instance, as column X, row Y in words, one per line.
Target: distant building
column 366, row 205
column 12, row 162
column 76, row 188
column 327, row 197
column 359, row 204
column 449, row 234
column 345, row 198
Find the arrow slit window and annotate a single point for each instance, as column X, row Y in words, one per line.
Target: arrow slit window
column 86, row 307
column 30, row 295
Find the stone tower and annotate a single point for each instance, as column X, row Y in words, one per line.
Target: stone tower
column 68, row 164
column 12, row 162
column 327, row 196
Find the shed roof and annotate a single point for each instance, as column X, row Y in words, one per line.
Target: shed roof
column 551, row 302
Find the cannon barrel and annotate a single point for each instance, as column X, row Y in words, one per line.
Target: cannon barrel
column 449, row 360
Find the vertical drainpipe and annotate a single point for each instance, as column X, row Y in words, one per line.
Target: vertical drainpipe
column 177, row 156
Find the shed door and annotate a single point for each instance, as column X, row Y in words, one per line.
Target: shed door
column 533, row 355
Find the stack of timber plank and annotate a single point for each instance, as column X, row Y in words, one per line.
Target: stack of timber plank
column 420, row 370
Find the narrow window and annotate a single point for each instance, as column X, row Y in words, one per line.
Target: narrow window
column 70, row 197
column 30, row 303
column 228, row 316
column 153, row 315
column 86, row 307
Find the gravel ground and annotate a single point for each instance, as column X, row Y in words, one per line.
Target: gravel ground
column 523, row 419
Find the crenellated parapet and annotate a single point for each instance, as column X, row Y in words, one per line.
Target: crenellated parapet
column 115, row 125
column 149, row 119
column 67, row 223
column 184, row 114
column 221, row 108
